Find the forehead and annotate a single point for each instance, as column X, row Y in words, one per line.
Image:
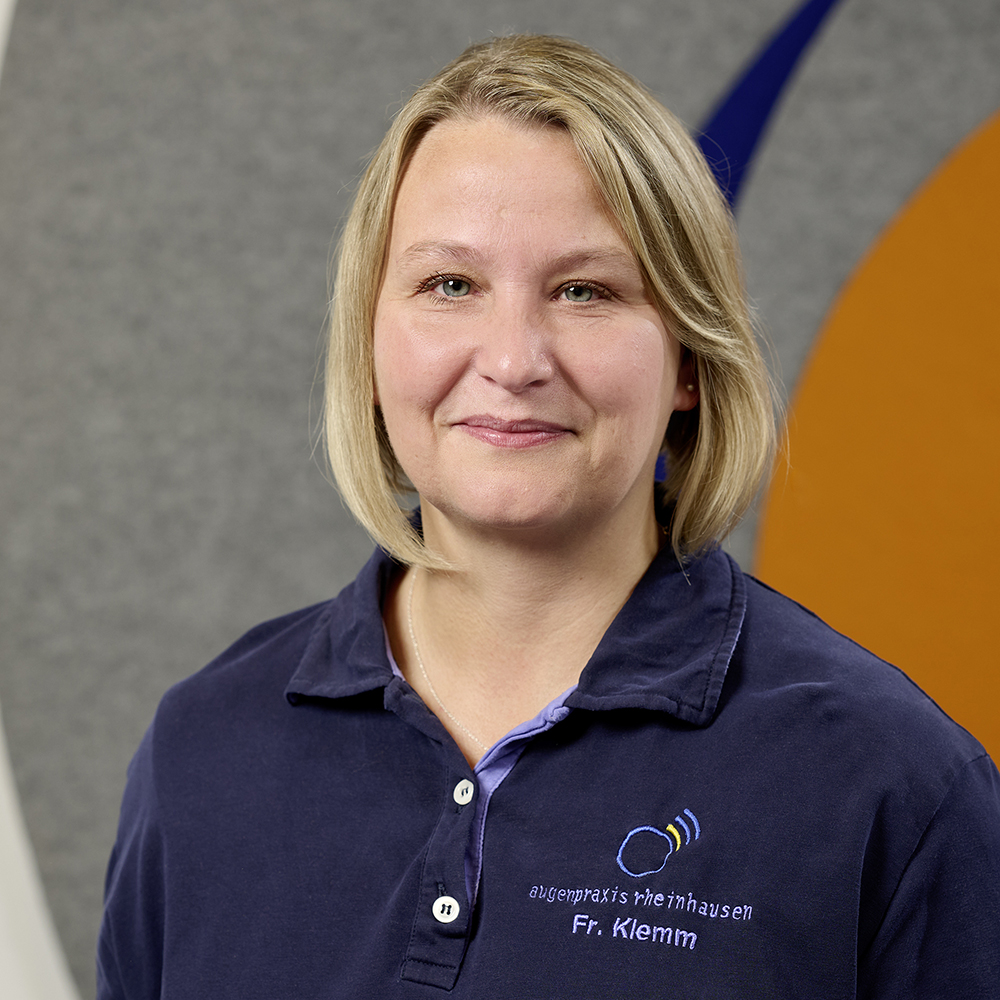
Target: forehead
column 483, row 172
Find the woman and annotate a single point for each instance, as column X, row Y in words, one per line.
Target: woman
column 551, row 742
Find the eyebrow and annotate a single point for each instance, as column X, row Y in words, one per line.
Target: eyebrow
column 437, row 250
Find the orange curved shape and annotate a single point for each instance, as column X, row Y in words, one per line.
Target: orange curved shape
column 885, row 519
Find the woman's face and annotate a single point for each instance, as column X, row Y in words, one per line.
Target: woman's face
column 524, row 375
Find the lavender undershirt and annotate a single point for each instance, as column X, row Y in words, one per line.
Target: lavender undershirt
column 492, row 768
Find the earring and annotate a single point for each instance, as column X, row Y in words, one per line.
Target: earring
column 690, row 387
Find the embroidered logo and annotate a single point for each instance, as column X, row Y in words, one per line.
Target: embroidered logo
column 644, row 845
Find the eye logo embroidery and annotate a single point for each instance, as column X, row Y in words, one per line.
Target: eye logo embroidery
column 640, row 846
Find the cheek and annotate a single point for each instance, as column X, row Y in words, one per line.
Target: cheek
column 400, row 367
column 394, row 393
column 385, row 362
column 414, row 369
column 633, row 379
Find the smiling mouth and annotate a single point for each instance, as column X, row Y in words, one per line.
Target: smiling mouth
column 511, row 433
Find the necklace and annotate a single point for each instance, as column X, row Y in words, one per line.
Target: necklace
column 423, row 670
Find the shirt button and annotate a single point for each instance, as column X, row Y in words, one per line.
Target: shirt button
column 445, row 909
column 463, row 791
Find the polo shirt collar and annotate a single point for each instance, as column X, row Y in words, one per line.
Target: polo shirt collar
column 667, row 650
column 670, row 645
column 346, row 653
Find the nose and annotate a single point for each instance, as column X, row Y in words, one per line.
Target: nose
column 514, row 353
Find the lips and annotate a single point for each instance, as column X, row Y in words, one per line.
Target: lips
column 511, row 433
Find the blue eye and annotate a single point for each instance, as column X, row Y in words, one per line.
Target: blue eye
column 455, row 288
column 579, row 293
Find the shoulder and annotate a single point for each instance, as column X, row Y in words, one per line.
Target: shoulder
column 202, row 750
column 918, row 788
column 778, row 626
column 243, row 699
column 797, row 644
column 206, row 724
column 274, row 660
column 858, row 705
column 867, row 806
column 263, row 659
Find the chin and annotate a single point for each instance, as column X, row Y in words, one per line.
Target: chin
column 507, row 510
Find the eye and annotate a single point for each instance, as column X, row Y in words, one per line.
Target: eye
column 578, row 293
column 454, row 288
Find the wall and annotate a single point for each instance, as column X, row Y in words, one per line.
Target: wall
column 170, row 180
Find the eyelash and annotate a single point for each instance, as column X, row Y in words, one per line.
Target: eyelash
column 600, row 291
column 431, row 283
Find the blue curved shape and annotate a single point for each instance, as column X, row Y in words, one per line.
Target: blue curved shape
column 734, row 129
column 730, row 137
column 629, row 836
column 685, row 828
column 694, row 819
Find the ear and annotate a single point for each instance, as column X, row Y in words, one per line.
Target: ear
column 686, row 392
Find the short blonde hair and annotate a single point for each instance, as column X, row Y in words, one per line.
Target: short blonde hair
column 673, row 216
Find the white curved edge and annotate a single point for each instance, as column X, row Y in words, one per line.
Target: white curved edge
column 32, row 963
column 6, row 15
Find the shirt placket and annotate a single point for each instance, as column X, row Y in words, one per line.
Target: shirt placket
column 450, row 876
column 443, row 917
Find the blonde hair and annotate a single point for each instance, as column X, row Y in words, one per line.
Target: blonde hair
column 673, row 216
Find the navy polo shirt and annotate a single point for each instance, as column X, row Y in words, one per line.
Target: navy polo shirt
column 734, row 802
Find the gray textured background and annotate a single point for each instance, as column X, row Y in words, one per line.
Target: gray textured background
column 171, row 176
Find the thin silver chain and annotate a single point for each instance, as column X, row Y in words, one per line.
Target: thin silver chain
column 423, row 670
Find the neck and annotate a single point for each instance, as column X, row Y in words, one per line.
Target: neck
column 531, row 589
column 514, row 624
